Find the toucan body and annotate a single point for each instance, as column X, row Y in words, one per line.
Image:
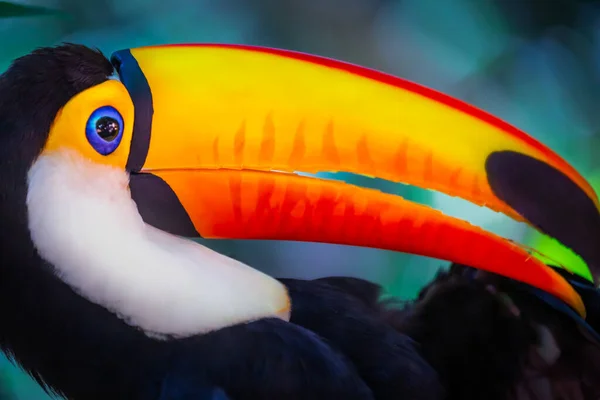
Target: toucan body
column 105, row 165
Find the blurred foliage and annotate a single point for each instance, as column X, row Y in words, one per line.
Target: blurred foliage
column 11, row 10
column 532, row 63
column 6, row 392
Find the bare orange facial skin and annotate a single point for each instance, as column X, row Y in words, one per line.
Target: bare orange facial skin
column 69, row 127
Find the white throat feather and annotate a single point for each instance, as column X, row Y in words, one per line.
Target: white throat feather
column 84, row 223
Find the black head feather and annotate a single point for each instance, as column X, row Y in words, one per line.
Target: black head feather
column 36, row 86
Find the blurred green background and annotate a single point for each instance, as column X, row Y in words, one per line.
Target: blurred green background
column 532, row 63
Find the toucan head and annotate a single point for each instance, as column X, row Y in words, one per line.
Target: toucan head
column 115, row 161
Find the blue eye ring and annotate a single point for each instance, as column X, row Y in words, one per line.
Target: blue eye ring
column 104, row 129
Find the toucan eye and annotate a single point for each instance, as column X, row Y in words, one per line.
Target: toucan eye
column 104, row 130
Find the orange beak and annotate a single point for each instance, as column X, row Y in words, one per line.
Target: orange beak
column 213, row 123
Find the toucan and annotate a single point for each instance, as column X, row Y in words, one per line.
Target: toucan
column 109, row 165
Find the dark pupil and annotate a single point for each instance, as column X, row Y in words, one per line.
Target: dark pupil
column 107, row 128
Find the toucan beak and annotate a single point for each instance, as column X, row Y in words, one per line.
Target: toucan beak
column 213, row 123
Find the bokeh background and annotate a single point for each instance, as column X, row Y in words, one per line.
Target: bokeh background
column 534, row 63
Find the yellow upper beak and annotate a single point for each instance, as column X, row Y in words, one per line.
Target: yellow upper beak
column 213, row 120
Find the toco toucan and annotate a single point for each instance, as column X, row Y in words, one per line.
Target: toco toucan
column 108, row 166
